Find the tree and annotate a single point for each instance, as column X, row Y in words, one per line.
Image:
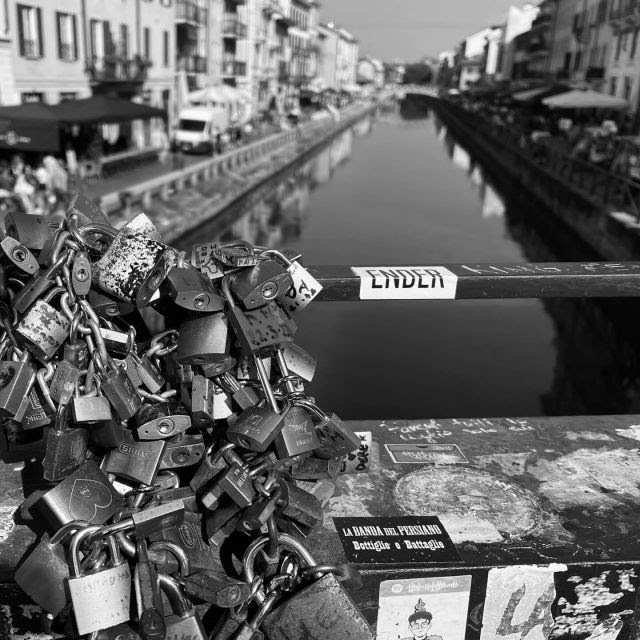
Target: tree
column 418, row 73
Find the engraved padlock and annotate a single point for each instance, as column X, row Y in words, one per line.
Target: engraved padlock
column 111, row 587
column 297, row 435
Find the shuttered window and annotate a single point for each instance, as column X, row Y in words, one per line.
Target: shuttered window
column 67, row 36
column 30, row 43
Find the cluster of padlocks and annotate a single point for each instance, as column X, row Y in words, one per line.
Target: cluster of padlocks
column 185, row 462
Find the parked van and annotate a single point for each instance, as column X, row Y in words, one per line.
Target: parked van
column 199, row 127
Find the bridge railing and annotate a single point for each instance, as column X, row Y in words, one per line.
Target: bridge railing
column 479, row 281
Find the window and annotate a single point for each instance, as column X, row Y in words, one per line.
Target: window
column 68, row 95
column 626, row 94
column 618, row 46
column 634, row 44
column 165, row 48
column 67, row 36
column 613, row 85
column 577, row 60
column 30, row 31
column 567, row 61
column 32, row 96
column 124, row 41
column 147, row 43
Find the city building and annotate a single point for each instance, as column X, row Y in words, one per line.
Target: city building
column 304, row 43
column 493, row 53
column 338, row 60
column 473, row 63
column 192, row 33
column 370, row 72
column 518, row 21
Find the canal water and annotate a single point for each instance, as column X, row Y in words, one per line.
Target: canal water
column 399, row 189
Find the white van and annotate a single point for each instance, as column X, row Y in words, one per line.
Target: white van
column 198, row 128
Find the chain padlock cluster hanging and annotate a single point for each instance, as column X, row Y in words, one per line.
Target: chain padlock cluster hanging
column 177, row 433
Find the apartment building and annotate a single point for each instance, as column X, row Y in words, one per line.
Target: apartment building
column 76, row 48
column 338, row 59
column 303, row 40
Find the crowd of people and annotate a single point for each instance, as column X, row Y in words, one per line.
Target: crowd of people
column 600, row 138
column 36, row 187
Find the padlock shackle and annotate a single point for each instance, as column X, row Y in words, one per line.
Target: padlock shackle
column 277, row 254
column 284, row 540
column 175, row 550
column 266, row 386
column 313, row 408
column 66, row 529
column 179, row 603
column 74, row 548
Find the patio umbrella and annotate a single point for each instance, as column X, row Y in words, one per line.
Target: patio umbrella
column 29, row 127
column 588, row 99
column 539, row 93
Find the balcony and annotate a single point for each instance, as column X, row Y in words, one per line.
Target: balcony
column 116, row 69
column 193, row 64
column 233, row 27
column 187, row 11
column 625, row 14
column 233, row 68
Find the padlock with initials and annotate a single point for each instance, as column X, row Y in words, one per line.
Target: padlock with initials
column 111, row 587
column 298, row 434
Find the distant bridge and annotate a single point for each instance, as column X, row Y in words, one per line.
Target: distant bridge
column 417, row 89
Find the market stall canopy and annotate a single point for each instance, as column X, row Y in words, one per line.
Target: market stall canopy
column 588, row 99
column 101, row 109
column 29, row 127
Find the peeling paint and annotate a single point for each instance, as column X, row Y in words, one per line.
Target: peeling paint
column 470, row 494
column 597, row 478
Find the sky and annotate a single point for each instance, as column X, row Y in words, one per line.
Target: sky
column 411, row 29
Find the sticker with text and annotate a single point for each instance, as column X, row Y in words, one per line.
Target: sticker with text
column 358, row 461
column 406, row 283
column 303, row 290
column 518, row 603
column 426, row 454
column 424, row 608
column 396, row 540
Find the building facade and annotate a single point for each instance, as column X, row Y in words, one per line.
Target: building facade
column 338, row 58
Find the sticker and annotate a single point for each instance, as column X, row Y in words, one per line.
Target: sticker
column 426, row 454
column 424, row 608
column 358, row 461
column 518, row 603
column 303, row 290
column 406, row 283
column 206, row 256
column 396, row 540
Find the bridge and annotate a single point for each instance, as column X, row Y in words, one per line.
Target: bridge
column 417, row 89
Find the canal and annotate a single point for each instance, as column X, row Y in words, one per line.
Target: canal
column 399, row 189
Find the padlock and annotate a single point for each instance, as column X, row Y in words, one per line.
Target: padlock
column 85, row 495
column 304, row 288
column 182, row 450
column 66, row 446
column 335, row 437
column 222, row 407
column 148, row 373
column 218, row 368
column 107, row 306
column 133, row 267
column 304, row 615
column 110, row 587
column 261, row 284
column 299, row 362
column 81, row 274
column 298, row 434
column 243, row 396
column 117, row 343
column 16, row 381
column 165, row 555
column 86, row 210
column 256, row 515
column 185, row 621
column 149, row 606
column 32, row 231
column 91, row 409
column 202, row 401
column 47, row 588
column 43, row 330
column 36, row 287
column 135, row 461
column 109, row 434
column 299, row 505
column 142, row 224
column 203, row 340
column 189, row 289
column 216, row 588
column 117, row 387
column 236, row 482
column 256, row 428
column 314, row 468
column 258, row 330
column 161, row 420
column 189, row 535
column 65, row 373
column 146, row 521
column 33, row 413
column 14, row 254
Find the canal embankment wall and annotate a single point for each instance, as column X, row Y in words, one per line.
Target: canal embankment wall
column 248, row 168
column 514, row 170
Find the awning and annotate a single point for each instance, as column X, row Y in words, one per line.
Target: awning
column 29, row 127
column 588, row 99
column 101, row 109
column 536, row 95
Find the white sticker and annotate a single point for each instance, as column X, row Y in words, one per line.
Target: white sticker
column 518, row 603
column 358, row 461
column 432, row 608
column 406, row 283
column 303, row 290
